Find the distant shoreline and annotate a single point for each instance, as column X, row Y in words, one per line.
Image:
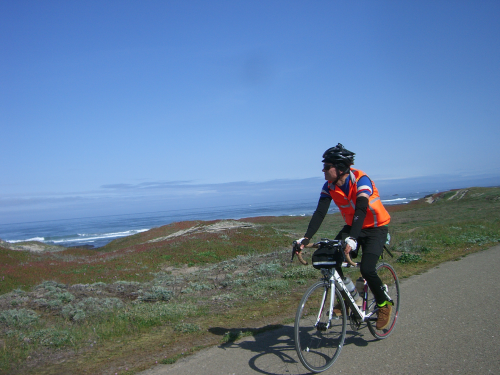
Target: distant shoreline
column 39, row 243
column 96, row 232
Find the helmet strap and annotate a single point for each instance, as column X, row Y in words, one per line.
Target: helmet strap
column 339, row 176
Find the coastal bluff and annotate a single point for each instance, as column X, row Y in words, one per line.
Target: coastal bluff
column 33, row 246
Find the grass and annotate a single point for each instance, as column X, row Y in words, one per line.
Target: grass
column 133, row 303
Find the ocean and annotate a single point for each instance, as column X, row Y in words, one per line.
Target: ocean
column 98, row 231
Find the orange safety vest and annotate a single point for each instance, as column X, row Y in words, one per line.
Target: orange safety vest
column 376, row 214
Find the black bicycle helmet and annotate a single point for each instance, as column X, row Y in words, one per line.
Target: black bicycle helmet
column 340, row 157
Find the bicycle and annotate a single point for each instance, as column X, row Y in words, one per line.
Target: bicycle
column 319, row 333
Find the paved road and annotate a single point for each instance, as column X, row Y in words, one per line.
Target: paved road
column 449, row 324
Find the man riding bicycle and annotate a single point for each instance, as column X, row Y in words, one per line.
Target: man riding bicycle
column 366, row 220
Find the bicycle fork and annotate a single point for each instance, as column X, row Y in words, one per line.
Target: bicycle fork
column 320, row 326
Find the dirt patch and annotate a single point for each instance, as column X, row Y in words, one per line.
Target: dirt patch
column 458, row 195
column 430, row 199
column 176, row 271
column 213, row 228
column 33, row 246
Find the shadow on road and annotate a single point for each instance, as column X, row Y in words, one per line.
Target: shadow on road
column 275, row 348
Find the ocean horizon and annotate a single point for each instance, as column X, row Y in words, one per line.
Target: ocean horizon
column 97, row 231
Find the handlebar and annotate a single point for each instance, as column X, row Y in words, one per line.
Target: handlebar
column 297, row 251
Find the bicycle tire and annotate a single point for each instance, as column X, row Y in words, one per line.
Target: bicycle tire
column 318, row 348
column 389, row 277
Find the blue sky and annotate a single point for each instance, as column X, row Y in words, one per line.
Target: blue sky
column 107, row 105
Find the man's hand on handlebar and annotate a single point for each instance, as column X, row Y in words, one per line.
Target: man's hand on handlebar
column 347, row 249
column 297, row 248
column 302, row 242
column 350, row 244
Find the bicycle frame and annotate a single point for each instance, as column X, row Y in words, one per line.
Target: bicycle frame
column 333, row 277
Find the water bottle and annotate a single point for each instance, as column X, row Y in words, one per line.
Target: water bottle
column 354, row 292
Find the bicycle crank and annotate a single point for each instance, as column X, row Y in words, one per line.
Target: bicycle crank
column 354, row 322
column 321, row 326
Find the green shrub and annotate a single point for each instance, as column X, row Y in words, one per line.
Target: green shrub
column 51, row 285
column 17, row 302
column 52, row 337
column 126, row 283
column 55, row 304
column 199, row 286
column 227, row 266
column 268, row 269
column 149, row 315
column 478, row 239
column 90, row 306
column 231, row 336
column 98, row 284
column 407, row 258
column 301, row 272
column 160, row 278
column 263, row 289
column 64, row 297
column 18, row 318
column 278, row 284
column 425, row 250
column 187, row 327
column 19, row 292
column 73, row 313
column 242, row 282
column 407, row 245
column 243, row 259
column 156, row 293
column 55, row 293
column 224, row 297
column 226, row 281
column 41, row 302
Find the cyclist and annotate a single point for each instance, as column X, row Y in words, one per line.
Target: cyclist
column 366, row 220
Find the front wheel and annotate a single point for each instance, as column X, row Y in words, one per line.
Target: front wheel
column 390, row 280
column 318, row 341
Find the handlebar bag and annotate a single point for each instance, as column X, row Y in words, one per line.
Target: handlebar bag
column 327, row 257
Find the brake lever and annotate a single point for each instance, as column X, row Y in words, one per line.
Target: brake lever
column 296, row 251
column 293, row 250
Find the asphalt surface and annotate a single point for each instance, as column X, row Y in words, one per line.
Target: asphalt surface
column 449, row 324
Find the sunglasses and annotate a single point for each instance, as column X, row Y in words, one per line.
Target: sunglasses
column 327, row 167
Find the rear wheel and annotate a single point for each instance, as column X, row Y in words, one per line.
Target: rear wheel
column 318, row 342
column 391, row 283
